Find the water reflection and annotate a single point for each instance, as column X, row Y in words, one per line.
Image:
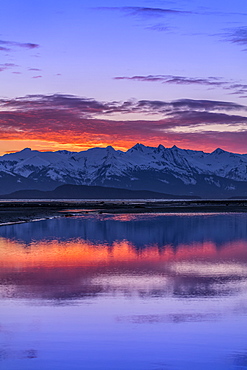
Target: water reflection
column 119, row 283
column 152, row 256
column 139, row 230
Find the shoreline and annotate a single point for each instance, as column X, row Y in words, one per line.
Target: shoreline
column 21, row 211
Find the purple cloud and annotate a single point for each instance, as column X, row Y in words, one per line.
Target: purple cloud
column 25, row 45
column 180, row 80
column 177, row 112
column 146, row 11
column 188, row 105
column 237, row 35
column 159, row 28
column 5, row 66
column 212, row 82
column 2, row 48
column 85, row 107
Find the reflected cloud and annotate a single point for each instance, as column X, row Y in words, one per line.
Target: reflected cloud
column 209, row 269
column 143, row 284
column 174, row 318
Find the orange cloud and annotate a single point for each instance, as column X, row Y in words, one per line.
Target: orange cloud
column 72, row 123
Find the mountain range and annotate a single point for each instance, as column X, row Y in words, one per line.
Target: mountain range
column 176, row 171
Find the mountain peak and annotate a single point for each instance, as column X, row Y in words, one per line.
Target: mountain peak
column 138, row 146
column 26, row 150
column 218, row 151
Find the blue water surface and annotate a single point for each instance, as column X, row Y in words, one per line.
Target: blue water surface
column 136, row 292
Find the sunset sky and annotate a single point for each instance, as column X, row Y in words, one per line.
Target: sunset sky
column 78, row 74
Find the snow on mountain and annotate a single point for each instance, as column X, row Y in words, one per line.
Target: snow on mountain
column 169, row 170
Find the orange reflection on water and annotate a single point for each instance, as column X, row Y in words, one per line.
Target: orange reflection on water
column 14, row 254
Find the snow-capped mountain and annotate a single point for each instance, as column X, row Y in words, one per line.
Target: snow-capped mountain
column 168, row 170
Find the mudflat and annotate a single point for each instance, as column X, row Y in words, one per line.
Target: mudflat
column 24, row 211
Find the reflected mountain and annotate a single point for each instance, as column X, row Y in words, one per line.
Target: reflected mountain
column 140, row 230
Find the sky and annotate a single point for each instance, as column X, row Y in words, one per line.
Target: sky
column 79, row 74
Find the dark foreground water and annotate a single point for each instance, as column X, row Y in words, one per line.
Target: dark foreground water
column 141, row 292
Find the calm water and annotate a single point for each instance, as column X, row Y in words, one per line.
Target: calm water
column 141, row 292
